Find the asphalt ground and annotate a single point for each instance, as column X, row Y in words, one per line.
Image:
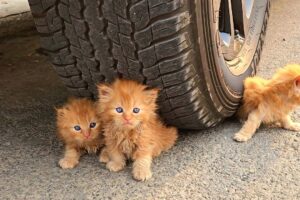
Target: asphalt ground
column 206, row 164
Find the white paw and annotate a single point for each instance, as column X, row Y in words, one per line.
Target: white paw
column 67, row 163
column 294, row 127
column 141, row 174
column 114, row 166
column 241, row 137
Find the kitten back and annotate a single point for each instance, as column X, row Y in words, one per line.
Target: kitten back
column 286, row 74
column 258, row 90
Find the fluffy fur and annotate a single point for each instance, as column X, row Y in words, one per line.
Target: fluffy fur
column 78, row 112
column 128, row 135
column 270, row 101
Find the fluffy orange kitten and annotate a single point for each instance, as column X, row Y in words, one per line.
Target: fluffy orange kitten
column 132, row 129
column 270, row 101
column 79, row 128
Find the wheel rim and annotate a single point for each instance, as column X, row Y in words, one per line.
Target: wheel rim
column 238, row 60
column 234, row 17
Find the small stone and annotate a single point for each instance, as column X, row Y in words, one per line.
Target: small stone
column 7, row 143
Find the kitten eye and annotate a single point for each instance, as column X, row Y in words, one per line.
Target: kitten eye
column 119, row 110
column 136, row 110
column 92, row 125
column 77, row 128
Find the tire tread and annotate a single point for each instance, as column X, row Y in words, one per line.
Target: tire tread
column 151, row 41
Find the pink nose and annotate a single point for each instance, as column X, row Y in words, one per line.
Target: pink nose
column 126, row 118
column 87, row 135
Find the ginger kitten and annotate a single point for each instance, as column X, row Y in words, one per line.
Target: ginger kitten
column 132, row 129
column 79, row 129
column 270, row 101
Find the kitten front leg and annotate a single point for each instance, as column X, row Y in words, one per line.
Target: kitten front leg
column 71, row 158
column 142, row 167
column 104, row 157
column 248, row 130
column 117, row 160
column 287, row 123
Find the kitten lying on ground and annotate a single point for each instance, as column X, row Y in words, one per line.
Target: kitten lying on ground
column 79, row 128
column 270, row 101
column 132, row 129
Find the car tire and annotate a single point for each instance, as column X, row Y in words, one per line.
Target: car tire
column 180, row 46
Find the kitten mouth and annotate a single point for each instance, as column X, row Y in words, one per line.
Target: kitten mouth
column 128, row 124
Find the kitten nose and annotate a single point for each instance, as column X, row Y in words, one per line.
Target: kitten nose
column 87, row 134
column 126, row 117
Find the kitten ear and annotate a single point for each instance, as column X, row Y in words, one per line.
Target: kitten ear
column 60, row 111
column 105, row 92
column 71, row 99
column 297, row 82
column 151, row 95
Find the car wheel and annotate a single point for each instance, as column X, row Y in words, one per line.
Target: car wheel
column 198, row 52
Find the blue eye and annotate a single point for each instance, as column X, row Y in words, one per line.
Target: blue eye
column 119, row 110
column 92, row 125
column 77, row 128
column 136, row 110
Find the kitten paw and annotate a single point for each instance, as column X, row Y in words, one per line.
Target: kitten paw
column 141, row 174
column 67, row 163
column 114, row 166
column 294, row 127
column 240, row 137
column 103, row 158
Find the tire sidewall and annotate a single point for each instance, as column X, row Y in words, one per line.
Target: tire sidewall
column 224, row 86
